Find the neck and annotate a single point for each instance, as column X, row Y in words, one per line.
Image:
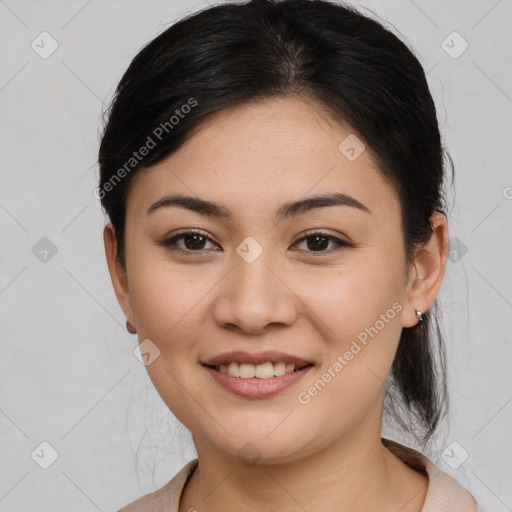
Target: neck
column 357, row 473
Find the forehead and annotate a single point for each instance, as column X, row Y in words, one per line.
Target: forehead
column 257, row 156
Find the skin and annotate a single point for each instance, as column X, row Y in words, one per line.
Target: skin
column 295, row 298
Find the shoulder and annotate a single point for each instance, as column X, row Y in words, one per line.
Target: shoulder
column 165, row 499
column 444, row 493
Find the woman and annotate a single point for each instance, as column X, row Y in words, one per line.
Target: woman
column 273, row 175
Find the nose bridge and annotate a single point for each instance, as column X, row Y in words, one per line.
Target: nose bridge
column 252, row 295
column 252, row 262
column 254, row 285
column 254, row 276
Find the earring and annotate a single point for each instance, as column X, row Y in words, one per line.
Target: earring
column 419, row 314
column 130, row 328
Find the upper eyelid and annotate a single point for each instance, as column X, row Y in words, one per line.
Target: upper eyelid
column 192, row 231
column 336, row 239
column 307, row 233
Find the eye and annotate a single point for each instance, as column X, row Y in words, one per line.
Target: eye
column 319, row 242
column 193, row 241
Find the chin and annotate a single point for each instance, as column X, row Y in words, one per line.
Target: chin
column 272, row 441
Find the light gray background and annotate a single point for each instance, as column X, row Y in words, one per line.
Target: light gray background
column 67, row 372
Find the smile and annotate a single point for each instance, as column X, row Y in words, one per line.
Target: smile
column 257, row 381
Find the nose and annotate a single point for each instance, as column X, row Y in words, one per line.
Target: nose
column 254, row 295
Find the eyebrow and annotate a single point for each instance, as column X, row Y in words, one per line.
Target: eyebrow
column 286, row 210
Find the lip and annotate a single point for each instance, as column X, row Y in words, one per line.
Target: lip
column 255, row 387
column 255, row 358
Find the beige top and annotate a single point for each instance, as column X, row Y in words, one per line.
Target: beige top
column 444, row 493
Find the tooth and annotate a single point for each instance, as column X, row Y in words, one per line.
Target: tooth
column 265, row 371
column 261, row 371
column 279, row 369
column 247, row 371
column 233, row 369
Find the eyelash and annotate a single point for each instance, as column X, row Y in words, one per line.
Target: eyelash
column 170, row 243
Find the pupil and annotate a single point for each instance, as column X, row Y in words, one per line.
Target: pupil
column 322, row 245
column 196, row 243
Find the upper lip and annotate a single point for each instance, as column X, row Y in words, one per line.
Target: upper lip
column 255, row 358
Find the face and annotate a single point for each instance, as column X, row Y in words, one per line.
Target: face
column 320, row 287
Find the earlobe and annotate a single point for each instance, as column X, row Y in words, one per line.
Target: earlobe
column 116, row 270
column 427, row 272
column 130, row 328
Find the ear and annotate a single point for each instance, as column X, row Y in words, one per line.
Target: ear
column 117, row 272
column 427, row 271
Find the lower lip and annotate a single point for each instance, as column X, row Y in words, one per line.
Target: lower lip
column 254, row 387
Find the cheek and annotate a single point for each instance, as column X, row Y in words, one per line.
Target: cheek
column 348, row 298
column 359, row 315
column 168, row 304
column 166, row 297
